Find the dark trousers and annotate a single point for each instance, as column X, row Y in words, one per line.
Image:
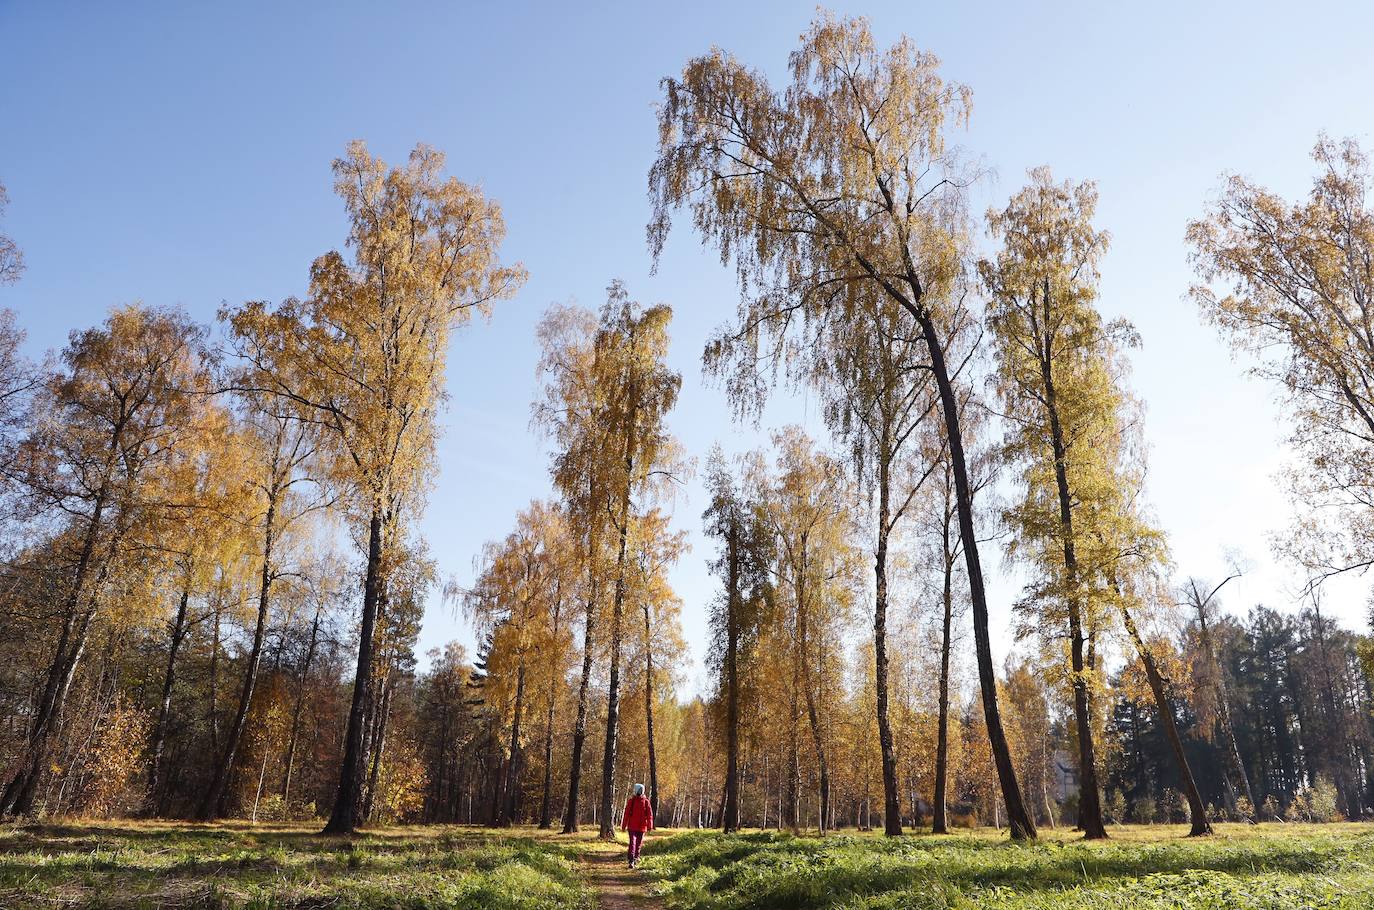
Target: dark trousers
column 636, row 841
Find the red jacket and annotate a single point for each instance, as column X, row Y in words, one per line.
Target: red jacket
column 639, row 814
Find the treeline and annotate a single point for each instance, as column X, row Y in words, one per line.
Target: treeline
column 180, row 633
column 181, row 636
column 1295, row 693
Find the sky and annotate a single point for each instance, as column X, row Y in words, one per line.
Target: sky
column 178, row 154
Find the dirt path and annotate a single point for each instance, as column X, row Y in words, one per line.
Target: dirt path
column 618, row 887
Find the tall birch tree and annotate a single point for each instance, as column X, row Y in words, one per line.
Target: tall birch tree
column 1056, row 390
column 362, row 359
column 838, row 186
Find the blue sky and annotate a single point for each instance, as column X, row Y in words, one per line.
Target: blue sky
column 179, row 154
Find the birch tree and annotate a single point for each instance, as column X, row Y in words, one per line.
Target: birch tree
column 361, row 359
column 807, row 508
column 838, row 186
column 607, row 393
column 876, row 402
column 209, row 537
column 744, row 566
column 282, row 493
column 639, row 392
column 1293, row 284
column 127, row 394
column 571, row 413
column 1055, row 387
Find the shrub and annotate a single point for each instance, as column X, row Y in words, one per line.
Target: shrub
column 963, row 820
column 1143, row 811
column 109, row 778
column 402, row 784
column 1171, row 806
column 274, row 809
column 1315, row 803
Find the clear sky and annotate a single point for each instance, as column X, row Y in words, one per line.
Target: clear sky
column 179, row 153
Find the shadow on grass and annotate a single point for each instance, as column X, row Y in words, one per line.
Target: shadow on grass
column 768, row 870
column 184, row 866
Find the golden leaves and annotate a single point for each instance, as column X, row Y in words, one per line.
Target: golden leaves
column 362, row 357
column 1300, row 295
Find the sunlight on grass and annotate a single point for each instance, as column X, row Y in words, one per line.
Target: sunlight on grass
column 163, row 865
column 239, row 866
column 1243, row 867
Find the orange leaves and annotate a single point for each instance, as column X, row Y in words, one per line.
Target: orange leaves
column 362, row 358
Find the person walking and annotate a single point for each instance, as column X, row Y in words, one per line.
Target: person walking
column 638, row 818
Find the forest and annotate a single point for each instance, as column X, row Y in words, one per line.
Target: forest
column 213, row 573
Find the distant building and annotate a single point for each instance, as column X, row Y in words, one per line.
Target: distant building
column 1065, row 776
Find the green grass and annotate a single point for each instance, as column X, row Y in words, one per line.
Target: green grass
column 1242, row 868
column 236, row 865
column 153, row 865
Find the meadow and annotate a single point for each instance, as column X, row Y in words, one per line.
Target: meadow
column 232, row 865
column 236, row 865
column 1242, row 867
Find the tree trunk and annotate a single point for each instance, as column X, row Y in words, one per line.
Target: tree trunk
column 1197, row 811
column 343, row 819
column 1089, row 800
column 513, row 766
column 1045, row 792
column 546, row 804
column 1021, row 824
column 821, row 763
column 731, row 816
column 892, row 810
column 296, row 710
column 607, row 829
column 792, row 792
column 378, row 748
column 1231, row 747
column 18, row 795
column 212, row 708
column 580, row 727
column 214, row 804
column 940, row 811
column 649, row 714
column 155, row 782
column 812, row 715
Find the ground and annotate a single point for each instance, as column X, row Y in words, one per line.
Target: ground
column 236, row 865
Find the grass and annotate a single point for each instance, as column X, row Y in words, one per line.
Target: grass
column 1243, row 867
column 157, row 865
column 241, row 866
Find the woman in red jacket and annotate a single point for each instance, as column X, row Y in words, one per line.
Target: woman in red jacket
column 638, row 818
